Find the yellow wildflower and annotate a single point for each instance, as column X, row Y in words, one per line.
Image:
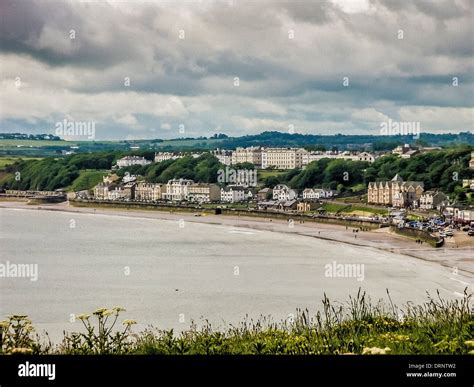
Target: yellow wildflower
column 107, row 313
column 17, row 317
column 21, row 351
column 375, row 351
column 100, row 311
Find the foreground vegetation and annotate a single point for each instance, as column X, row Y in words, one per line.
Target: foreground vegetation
column 359, row 327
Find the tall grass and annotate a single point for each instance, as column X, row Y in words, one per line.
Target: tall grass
column 437, row 326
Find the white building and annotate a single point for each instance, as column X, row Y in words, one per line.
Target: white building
column 346, row 155
column 128, row 161
column 224, row 156
column 405, row 151
column 126, row 191
column 468, row 183
column 283, row 158
column 177, row 189
column 127, row 178
column 461, row 213
column 281, row 192
column 162, row 156
column 243, row 177
column 366, row 156
column 116, row 194
column 309, row 157
column 317, row 193
column 232, row 194
column 148, row 191
column 432, row 199
column 251, row 154
column 203, row 193
column 101, row 190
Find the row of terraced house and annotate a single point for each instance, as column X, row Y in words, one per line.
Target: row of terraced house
column 278, row 158
column 284, row 158
column 177, row 190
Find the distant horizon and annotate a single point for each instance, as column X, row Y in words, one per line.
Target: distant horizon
column 391, row 137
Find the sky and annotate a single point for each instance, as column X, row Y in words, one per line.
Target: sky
column 139, row 70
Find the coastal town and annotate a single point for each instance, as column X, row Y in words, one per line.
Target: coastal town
column 288, row 184
column 241, row 185
column 394, row 201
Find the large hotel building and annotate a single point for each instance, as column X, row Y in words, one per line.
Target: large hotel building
column 247, row 155
column 396, row 192
column 283, row 158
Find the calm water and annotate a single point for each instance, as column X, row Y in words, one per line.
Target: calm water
column 217, row 272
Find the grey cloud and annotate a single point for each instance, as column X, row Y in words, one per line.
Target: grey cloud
column 319, row 12
column 439, row 9
column 23, row 23
column 248, row 41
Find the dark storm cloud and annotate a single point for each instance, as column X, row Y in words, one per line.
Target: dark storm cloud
column 25, row 24
column 281, row 79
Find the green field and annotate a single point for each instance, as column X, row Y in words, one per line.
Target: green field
column 5, row 161
column 32, row 143
column 188, row 143
column 264, row 173
column 48, row 148
column 332, row 207
column 361, row 208
column 351, row 208
column 19, row 144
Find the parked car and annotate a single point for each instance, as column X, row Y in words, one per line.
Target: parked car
column 466, row 228
column 470, row 233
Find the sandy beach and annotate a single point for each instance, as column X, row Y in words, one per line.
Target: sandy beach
column 452, row 255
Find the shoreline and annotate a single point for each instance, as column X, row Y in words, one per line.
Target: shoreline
column 381, row 239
